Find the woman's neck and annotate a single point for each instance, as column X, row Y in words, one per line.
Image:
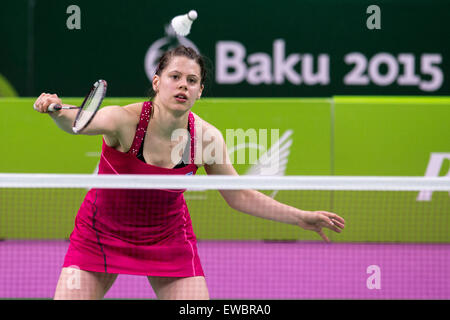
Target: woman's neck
column 165, row 122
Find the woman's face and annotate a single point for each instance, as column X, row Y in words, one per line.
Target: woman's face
column 179, row 85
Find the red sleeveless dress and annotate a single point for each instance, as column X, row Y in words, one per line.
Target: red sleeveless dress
column 135, row 231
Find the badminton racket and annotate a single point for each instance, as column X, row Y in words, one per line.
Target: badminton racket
column 88, row 108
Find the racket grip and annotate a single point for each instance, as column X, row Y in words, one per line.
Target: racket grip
column 54, row 107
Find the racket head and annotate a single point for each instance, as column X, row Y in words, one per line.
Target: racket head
column 90, row 106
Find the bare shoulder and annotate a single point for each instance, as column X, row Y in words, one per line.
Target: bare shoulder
column 207, row 129
column 124, row 120
column 212, row 146
column 122, row 114
column 134, row 109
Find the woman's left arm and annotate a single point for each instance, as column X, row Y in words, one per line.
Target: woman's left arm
column 258, row 204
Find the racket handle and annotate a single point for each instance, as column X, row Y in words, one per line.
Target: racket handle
column 54, row 107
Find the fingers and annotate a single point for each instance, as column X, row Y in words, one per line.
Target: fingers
column 40, row 103
column 36, row 103
column 324, row 237
column 327, row 224
column 325, row 219
column 334, row 218
column 43, row 102
column 331, row 226
column 329, row 221
column 338, row 224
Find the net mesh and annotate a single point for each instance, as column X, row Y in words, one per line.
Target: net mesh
column 395, row 243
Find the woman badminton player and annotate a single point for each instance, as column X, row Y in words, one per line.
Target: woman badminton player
column 149, row 232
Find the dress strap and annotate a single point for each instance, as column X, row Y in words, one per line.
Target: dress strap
column 192, row 134
column 141, row 128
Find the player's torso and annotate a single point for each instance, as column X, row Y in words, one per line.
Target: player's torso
column 157, row 151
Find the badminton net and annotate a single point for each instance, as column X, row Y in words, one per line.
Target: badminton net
column 397, row 229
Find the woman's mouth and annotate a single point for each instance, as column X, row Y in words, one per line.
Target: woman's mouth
column 181, row 97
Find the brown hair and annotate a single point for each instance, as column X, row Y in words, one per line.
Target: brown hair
column 180, row 51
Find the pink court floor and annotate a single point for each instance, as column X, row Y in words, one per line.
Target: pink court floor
column 259, row 270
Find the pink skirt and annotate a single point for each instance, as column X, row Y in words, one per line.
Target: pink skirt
column 113, row 237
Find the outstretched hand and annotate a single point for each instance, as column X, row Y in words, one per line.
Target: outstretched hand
column 316, row 220
column 44, row 101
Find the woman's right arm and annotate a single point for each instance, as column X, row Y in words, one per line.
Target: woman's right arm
column 107, row 121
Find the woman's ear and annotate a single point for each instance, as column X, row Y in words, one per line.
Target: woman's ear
column 200, row 92
column 155, row 83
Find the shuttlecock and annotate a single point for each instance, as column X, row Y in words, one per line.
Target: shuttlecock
column 182, row 24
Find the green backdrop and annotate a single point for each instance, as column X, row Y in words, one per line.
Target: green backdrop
column 362, row 136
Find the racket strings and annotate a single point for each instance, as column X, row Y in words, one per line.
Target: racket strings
column 90, row 106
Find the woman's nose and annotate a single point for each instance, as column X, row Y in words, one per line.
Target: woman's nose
column 182, row 83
